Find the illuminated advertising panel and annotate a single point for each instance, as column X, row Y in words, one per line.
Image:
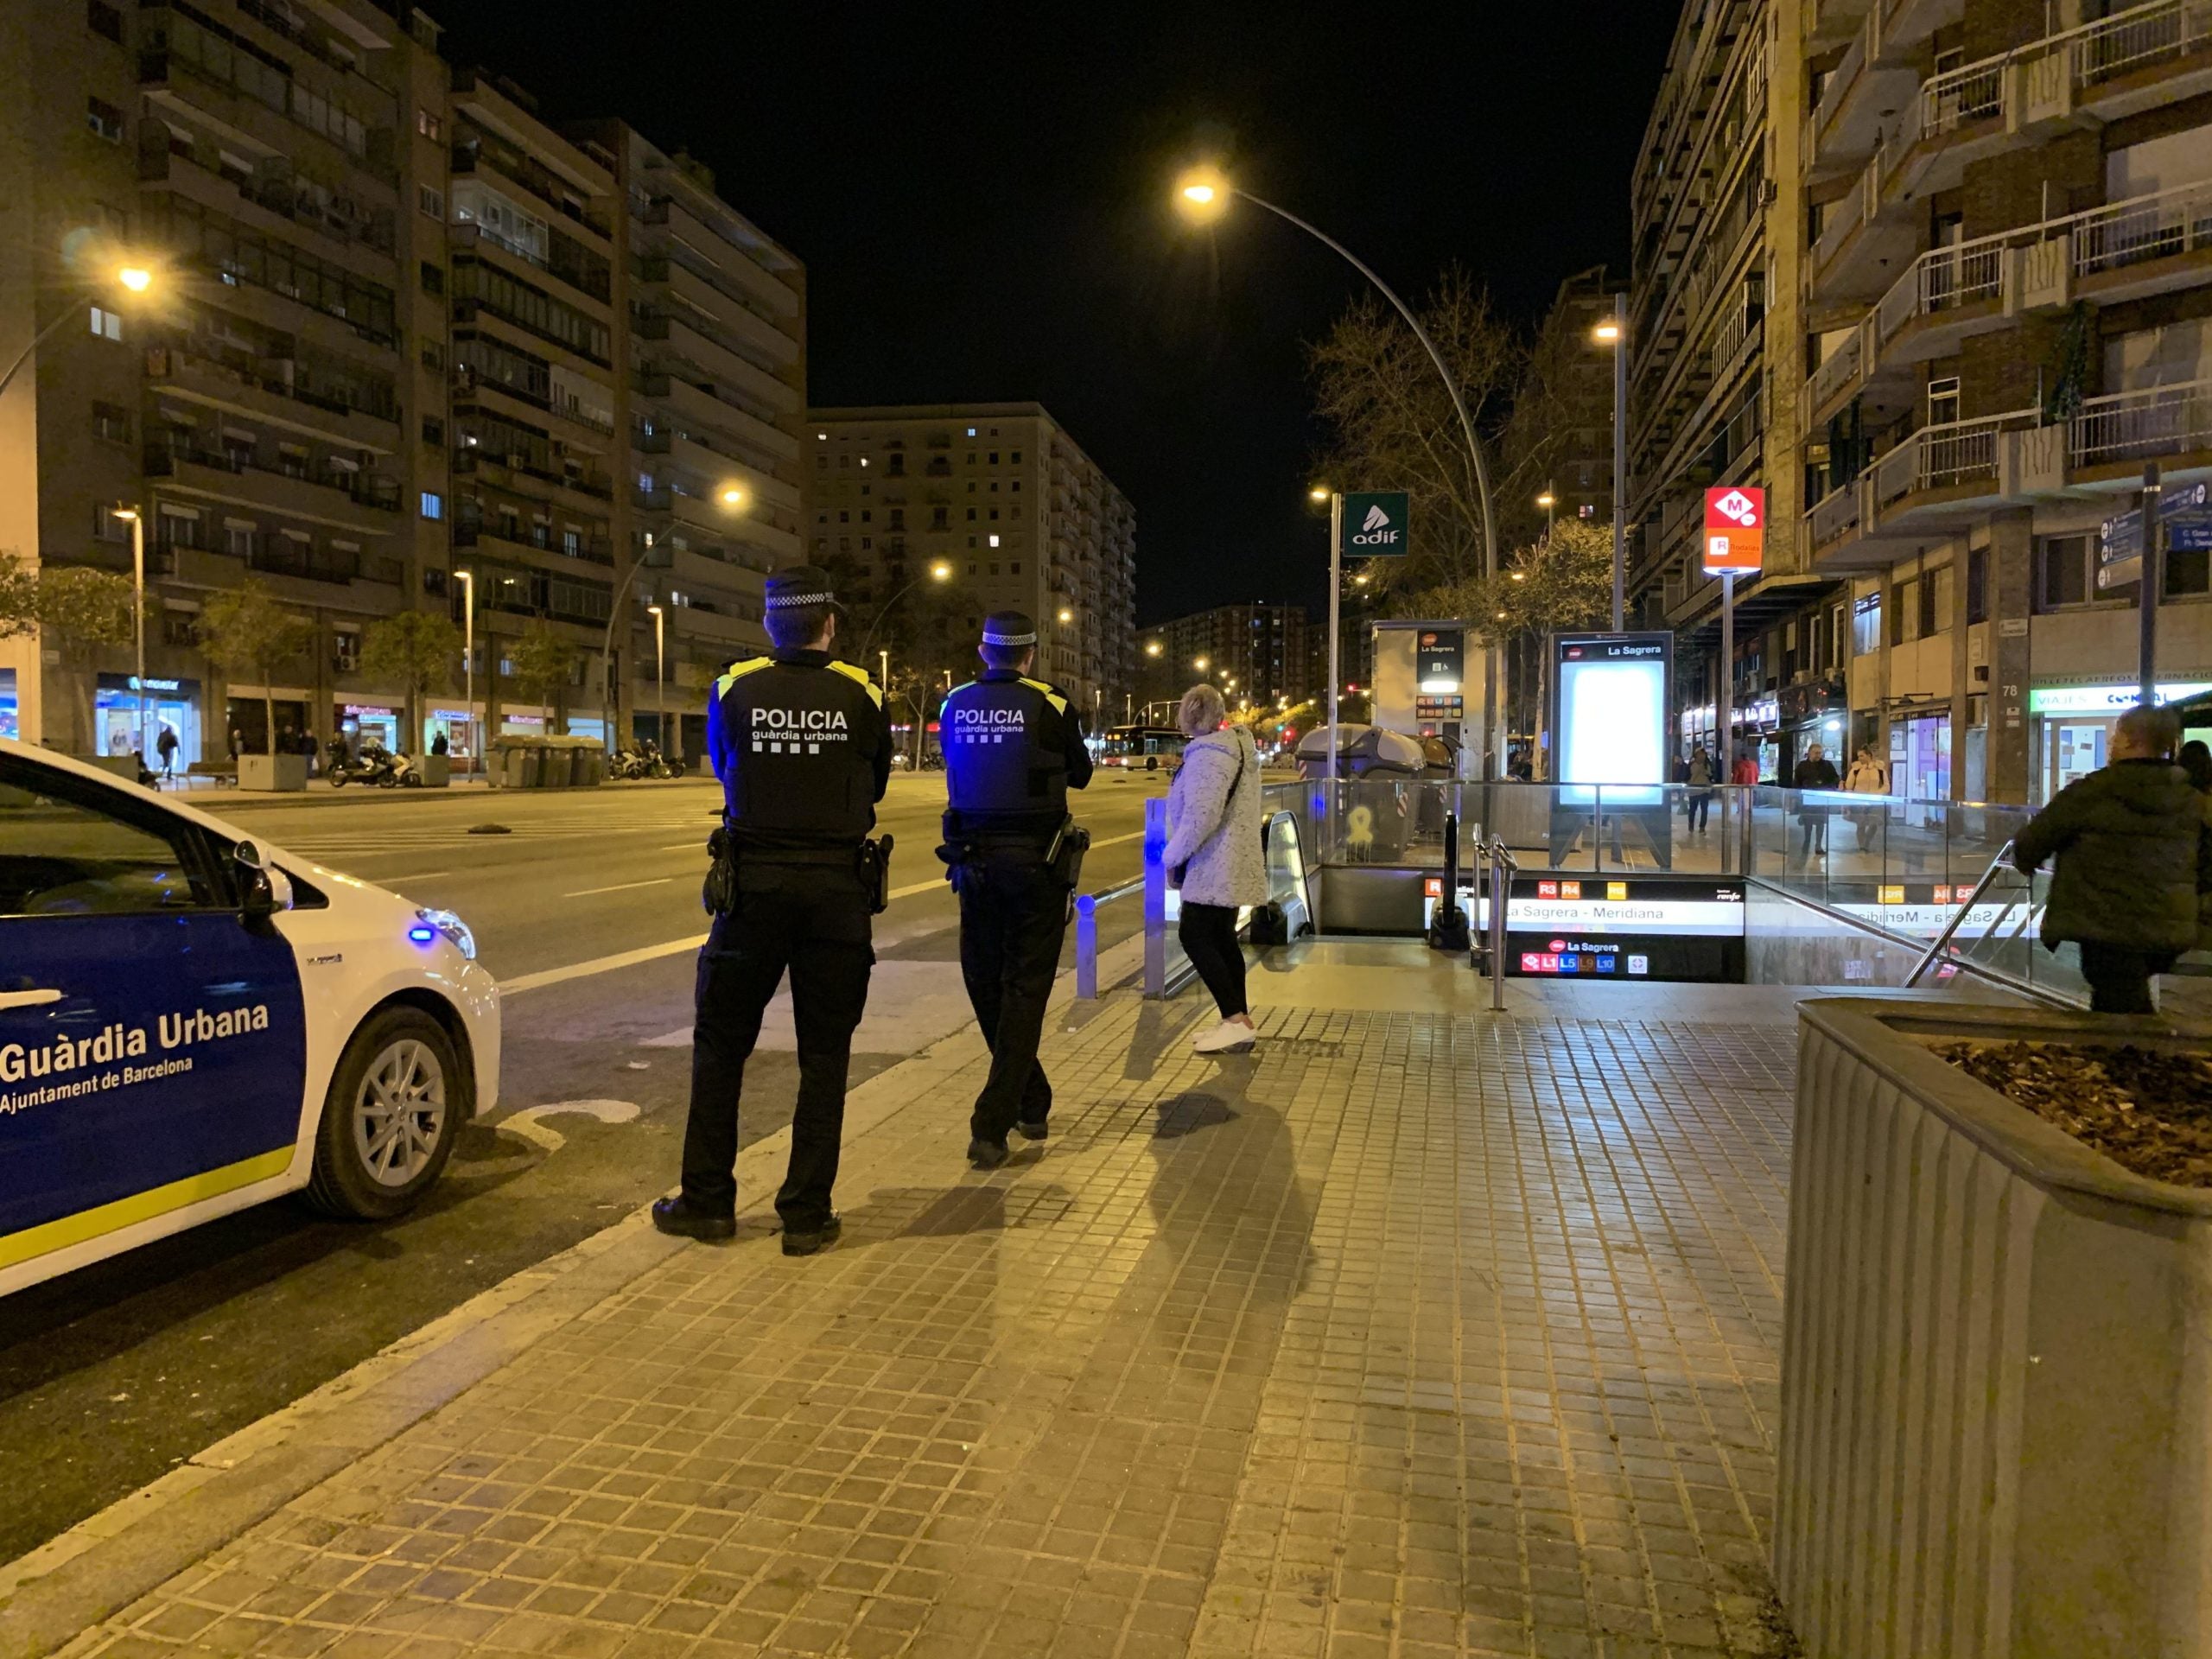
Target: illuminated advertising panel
column 1609, row 714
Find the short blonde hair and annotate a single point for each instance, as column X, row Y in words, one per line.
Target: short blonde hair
column 1200, row 711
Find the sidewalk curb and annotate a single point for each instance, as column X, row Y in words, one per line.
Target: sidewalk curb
column 86, row 1575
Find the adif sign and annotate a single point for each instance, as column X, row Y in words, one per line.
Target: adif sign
column 1735, row 529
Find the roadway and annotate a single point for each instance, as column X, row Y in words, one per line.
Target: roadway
column 587, row 910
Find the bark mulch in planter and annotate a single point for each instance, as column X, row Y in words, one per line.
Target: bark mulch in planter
column 2149, row 1112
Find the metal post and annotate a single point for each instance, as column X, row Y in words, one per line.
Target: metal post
column 1724, row 742
column 467, row 580
column 1336, row 671
column 660, row 679
column 1155, row 898
column 1501, row 891
column 1086, row 946
column 1620, row 459
column 138, row 617
column 2153, row 583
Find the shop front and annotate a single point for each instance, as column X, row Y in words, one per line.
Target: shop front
column 9, row 720
column 2071, row 726
column 459, row 728
column 246, row 718
column 362, row 723
column 1920, row 760
column 1809, row 713
column 171, row 703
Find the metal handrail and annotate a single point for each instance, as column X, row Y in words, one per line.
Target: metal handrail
column 1502, row 869
column 1927, row 960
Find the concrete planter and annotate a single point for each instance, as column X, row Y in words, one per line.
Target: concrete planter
column 1996, row 1362
column 436, row 770
column 273, row 772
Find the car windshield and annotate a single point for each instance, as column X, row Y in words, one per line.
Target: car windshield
column 60, row 856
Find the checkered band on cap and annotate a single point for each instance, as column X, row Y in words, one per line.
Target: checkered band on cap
column 991, row 637
column 784, row 602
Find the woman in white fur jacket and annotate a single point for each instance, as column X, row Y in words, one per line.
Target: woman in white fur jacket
column 1214, row 855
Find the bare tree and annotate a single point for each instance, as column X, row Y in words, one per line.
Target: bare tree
column 1392, row 425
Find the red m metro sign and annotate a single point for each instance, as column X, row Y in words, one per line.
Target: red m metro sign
column 1735, row 529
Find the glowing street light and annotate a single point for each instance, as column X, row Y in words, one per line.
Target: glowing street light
column 732, row 496
column 1066, row 615
column 1319, row 493
column 136, row 278
column 1152, row 647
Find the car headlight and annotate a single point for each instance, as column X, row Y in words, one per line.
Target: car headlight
column 430, row 924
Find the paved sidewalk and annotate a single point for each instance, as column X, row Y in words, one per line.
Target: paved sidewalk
column 1411, row 1334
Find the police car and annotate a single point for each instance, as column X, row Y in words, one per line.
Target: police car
column 193, row 1022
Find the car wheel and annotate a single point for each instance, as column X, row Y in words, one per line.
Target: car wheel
column 391, row 1119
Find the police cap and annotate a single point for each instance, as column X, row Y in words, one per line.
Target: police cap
column 1014, row 628
column 799, row 586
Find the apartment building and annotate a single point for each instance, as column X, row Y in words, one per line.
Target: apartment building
column 249, row 402
column 716, row 412
column 2009, row 314
column 1560, row 434
column 1714, row 340
column 1006, row 501
column 1266, row 649
column 400, row 327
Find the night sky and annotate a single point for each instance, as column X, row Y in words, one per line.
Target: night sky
column 980, row 194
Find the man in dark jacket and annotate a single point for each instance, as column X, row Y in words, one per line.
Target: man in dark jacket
column 2131, row 847
column 1815, row 772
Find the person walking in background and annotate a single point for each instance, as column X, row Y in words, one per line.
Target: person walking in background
column 1815, row 771
column 1745, row 772
column 2133, row 856
column 1700, row 776
column 1868, row 776
column 165, row 745
column 2195, row 759
column 1215, row 856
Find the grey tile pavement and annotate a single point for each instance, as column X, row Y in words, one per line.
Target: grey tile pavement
column 1409, row 1334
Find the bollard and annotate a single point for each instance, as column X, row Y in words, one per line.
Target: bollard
column 1155, row 900
column 1086, row 947
column 1447, row 928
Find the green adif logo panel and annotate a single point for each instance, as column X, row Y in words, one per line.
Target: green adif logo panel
column 1374, row 525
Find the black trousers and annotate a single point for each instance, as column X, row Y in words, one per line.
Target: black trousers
column 2120, row 979
column 1014, row 914
column 1701, row 809
column 812, row 920
column 1208, row 935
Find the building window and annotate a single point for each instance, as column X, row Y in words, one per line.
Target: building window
column 104, row 20
column 107, row 527
column 104, row 120
column 994, row 541
column 432, row 203
column 433, row 279
column 434, row 505
column 1943, row 401
column 434, row 431
column 1015, row 567
column 1977, row 584
column 433, row 357
column 2188, row 572
column 2062, row 571
column 237, row 540
column 111, row 422
column 1867, row 626
column 431, row 126
column 108, row 325
column 179, row 628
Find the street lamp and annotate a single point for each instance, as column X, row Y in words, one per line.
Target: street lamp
column 1613, row 332
column 660, row 676
column 1203, row 194
column 939, row 571
column 130, row 516
column 733, row 498
column 1066, row 615
column 1199, row 662
column 134, row 279
column 1547, row 501
column 468, row 581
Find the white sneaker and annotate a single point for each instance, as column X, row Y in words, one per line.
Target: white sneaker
column 1229, row 1036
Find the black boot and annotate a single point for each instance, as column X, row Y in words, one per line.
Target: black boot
column 676, row 1216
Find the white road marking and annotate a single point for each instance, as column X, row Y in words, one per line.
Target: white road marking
column 529, row 1123
column 619, row 887
column 599, row 965
column 419, row 875
column 918, row 886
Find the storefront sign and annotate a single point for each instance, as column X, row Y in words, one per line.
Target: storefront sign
column 1735, row 529
column 2101, row 699
column 377, row 710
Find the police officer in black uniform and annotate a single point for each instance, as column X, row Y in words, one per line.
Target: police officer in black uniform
column 1013, row 749
column 803, row 746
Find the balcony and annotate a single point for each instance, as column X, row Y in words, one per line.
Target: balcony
column 306, row 492
column 365, row 233
column 595, row 282
column 2111, row 438
column 263, row 388
column 1875, row 78
column 670, row 214
column 589, row 482
column 699, row 407
column 712, row 361
column 536, row 538
column 489, row 156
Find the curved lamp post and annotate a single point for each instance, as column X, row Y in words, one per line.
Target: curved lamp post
column 939, row 570
column 731, row 500
column 1203, row 195
column 135, row 279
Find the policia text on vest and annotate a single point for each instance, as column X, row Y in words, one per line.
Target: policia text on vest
column 1013, row 749
column 802, row 744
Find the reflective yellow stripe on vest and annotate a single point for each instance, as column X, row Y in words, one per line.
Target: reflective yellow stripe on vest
column 860, row 676
column 739, row 671
column 1059, row 703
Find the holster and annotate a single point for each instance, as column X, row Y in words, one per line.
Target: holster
column 1065, row 856
column 875, row 872
column 718, row 893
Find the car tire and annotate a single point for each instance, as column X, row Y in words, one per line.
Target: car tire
column 400, row 1058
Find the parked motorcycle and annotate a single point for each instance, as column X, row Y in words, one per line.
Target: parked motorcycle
column 379, row 767
column 645, row 761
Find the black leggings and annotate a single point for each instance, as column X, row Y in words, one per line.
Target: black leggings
column 1208, row 933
